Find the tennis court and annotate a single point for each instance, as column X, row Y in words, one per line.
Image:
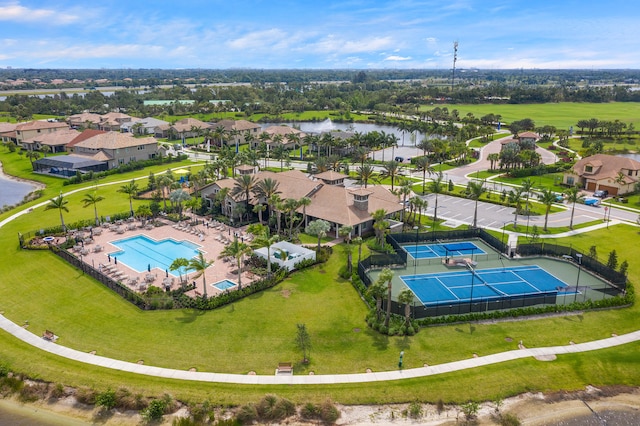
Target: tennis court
column 429, row 251
column 483, row 285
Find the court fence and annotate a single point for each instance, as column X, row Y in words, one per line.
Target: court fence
column 616, row 278
column 616, row 282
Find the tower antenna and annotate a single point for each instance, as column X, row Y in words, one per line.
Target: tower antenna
column 455, row 58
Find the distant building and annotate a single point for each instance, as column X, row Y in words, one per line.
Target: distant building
column 618, row 175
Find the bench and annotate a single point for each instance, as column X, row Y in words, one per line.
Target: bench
column 284, row 368
column 50, row 336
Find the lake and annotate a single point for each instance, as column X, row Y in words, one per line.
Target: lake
column 328, row 126
column 12, row 192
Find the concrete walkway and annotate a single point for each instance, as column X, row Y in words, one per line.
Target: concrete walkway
column 548, row 353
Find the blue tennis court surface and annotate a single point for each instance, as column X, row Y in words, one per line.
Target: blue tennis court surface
column 485, row 284
column 429, row 251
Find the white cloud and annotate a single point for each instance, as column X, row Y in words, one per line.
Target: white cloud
column 259, row 39
column 18, row 13
column 397, row 58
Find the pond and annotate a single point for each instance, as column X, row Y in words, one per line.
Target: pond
column 328, row 125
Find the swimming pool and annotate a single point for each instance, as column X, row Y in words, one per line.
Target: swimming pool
column 224, row 285
column 141, row 252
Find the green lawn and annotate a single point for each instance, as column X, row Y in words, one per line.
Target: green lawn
column 563, row 115
column 258, row 332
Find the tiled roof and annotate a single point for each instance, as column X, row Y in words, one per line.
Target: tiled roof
column 330, row 175
column 605, row 166
column 283, row 130
column 40, row 125
column 114, row 140
column 86, row 134
column 84, row 117
column 61, row 137
column 240, row 125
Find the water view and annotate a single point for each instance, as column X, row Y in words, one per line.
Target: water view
column 329, row 126
column 12, row 192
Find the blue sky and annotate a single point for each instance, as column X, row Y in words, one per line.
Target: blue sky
column 349, row 34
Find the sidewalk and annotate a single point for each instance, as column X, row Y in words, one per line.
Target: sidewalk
column 542, row 354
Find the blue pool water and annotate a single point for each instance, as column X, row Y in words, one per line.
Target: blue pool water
column 223, row 285
column 141, row 252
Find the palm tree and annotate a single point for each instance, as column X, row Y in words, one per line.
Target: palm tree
column 61, row 204
column 237, row 250
column 266, row 188
column 365, row 173
column 547, row 197
column 280, row 153
column 436, row 187
column 406, row 297
column 404, row 191
column 130, row 189
column 178, row 197
column 93, row 198
column 386, row 275
column 290, row 206
column 423, row 164
column 259, row 208
column 32, row 156
column 244, row 185
column 391, row 170
column 476, row 189
column 377, row 291
column 200, row 264
column 345, row 232
column 265, row 240
column 178, row 265
column 359, row 241
column 303, row 202
column 573, row 196
column 515, row 197
column 380, row 225
column 527, row 186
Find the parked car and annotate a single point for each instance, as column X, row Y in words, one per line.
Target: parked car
column 592, row 201
column 601, row 193
column 399, row 159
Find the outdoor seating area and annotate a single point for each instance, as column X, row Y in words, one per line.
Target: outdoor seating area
column 50, row 336
column 284, row 369
column 101, row 255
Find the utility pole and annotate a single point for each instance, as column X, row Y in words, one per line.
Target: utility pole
column 455, row 58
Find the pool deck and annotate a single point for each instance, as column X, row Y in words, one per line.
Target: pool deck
column 211, row 240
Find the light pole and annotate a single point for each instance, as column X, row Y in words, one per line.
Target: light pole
column 400, row 360
column 579, row 256
column 415, row 253
column 504, row 225
column 472, row 278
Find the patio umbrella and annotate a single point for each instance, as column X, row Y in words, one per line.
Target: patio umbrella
column 109, row 257
column 166, row 271
column 149, row 267
column 115, row 259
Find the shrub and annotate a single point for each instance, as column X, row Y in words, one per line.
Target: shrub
column 247, row 414
column 58, row 391
column 10, row 385
column 202, row 413
column 33, row 391
column 415, row 410
column 106, row 399
column 125, row 400
column 310, row 411
column 86, row 395
column 329, row 413
column 154, row 411
column 509, row 419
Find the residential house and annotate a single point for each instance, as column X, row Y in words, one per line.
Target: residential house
column 618, row 175
column 524, row 140
column 237, row 130
column 282, row 132
column 112, row 121
column 334, row 203
column 144, row 126
column 87, row 120
column 56, row 141
column 32, row 129
column 116, row 148
column 8, row 132
column 185, row 128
